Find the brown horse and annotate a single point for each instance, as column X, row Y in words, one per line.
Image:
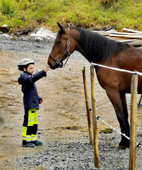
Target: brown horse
column 99, row 49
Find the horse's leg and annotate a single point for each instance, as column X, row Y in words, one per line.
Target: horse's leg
column 119, row 104
column 125, row 112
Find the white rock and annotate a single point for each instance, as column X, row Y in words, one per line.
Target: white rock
column 44, row 33
column 5, row 36
column 4, row 25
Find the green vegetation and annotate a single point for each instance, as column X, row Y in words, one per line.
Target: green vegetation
column 107, row 130
column 21, row 14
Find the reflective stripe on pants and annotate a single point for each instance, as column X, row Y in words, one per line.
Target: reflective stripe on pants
column 30, row 125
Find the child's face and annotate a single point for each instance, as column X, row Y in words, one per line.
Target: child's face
column 30, row 68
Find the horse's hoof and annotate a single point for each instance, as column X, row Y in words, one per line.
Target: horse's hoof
column 123, row 144
column 121, row 147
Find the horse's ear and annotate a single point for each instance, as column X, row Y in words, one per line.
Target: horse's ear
column 60, row 26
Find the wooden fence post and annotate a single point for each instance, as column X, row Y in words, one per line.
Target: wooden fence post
column 133, row 117
column 87, row 105
column 95, row 144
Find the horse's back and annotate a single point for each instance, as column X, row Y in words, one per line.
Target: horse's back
column 129, row 59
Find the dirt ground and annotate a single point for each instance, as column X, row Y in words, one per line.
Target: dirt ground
column 62, row 115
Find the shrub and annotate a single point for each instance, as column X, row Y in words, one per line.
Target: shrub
column 106, row 1
column 6, row 7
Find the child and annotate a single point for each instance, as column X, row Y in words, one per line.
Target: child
column 31, row 101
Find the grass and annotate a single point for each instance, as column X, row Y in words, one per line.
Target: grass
column 19, row 14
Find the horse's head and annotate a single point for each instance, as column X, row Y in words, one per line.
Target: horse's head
column 63, row 46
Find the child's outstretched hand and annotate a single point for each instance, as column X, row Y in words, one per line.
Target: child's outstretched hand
column 46, row 68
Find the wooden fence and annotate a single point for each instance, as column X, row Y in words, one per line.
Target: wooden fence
column 93, row 118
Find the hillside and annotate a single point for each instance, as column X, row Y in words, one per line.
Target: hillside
column 29, row 14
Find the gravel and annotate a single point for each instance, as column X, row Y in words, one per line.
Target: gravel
column 79, row 155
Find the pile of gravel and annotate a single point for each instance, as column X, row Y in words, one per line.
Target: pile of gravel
column 79, row 155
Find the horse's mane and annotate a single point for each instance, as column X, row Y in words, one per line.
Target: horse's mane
column 97, row 47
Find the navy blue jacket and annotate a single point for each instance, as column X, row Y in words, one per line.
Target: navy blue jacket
column 30, row 98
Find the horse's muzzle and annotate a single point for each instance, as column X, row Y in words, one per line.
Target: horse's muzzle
column 58, row 64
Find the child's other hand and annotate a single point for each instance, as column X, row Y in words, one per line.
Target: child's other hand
column 46, row 68
column 40, row 101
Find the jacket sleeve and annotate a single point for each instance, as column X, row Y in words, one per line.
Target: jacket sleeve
column 35, row 77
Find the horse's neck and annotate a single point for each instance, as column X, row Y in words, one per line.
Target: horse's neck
column 81, row 50
column 93, row 47
column 81, row 44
